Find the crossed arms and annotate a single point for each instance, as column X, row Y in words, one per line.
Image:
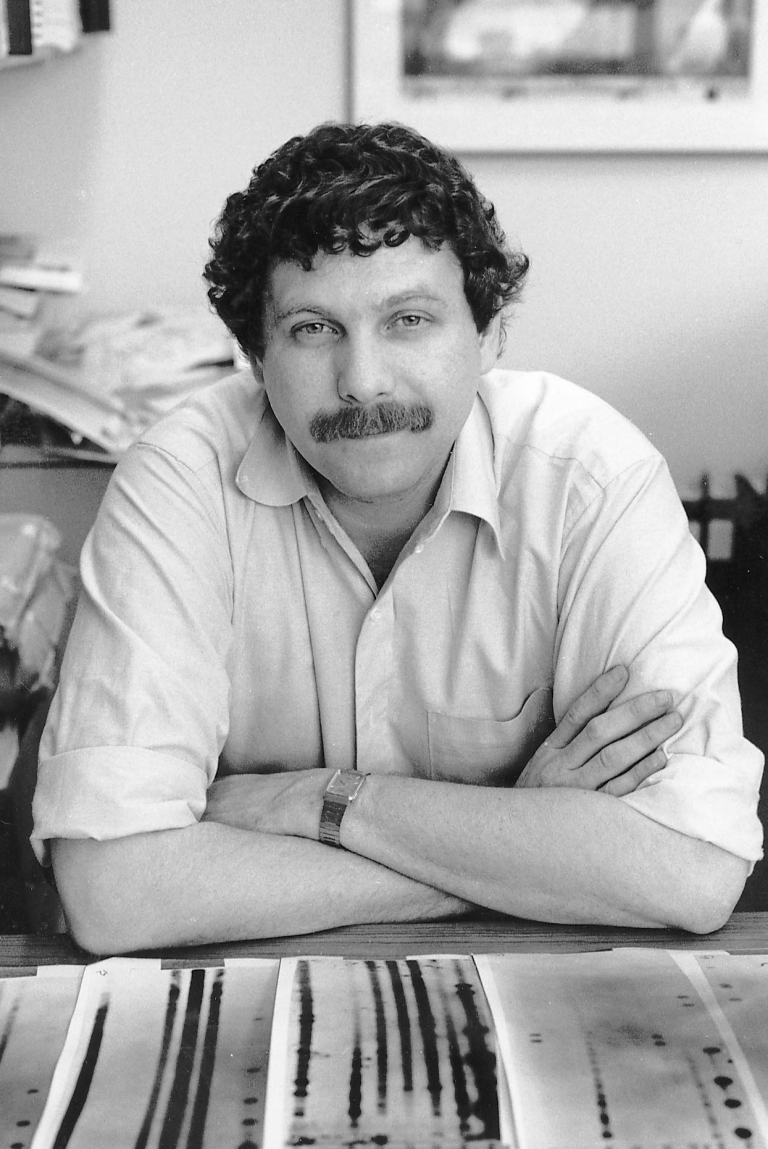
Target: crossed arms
column 576, row 840
column 559, row 846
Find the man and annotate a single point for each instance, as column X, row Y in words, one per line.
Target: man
column 472, row 592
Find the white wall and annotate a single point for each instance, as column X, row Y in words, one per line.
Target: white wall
column 649, row 285
column 132, row 145
column 649, row 279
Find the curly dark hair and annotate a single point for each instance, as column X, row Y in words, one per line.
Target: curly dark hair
column 356, row 187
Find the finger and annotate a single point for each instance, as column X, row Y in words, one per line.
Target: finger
column 628, row 782
column 595, row 700
column 620, row 721
column 619, row 757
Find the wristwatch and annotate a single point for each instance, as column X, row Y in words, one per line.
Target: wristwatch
column 342, row 789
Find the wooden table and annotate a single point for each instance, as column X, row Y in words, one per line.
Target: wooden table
column 745, row 933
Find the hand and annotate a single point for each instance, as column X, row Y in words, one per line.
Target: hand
column 287, row 802
column 597, row 748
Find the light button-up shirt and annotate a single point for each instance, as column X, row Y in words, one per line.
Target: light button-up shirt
column 229, row 624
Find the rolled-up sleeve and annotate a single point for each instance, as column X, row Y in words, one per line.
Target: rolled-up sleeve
column 632, row 574
column 142, row 708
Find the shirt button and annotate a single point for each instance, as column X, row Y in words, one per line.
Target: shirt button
column 419, row 548
column 375, row 614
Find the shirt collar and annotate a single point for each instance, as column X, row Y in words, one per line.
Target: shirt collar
column 469, row 484
column 273, row 473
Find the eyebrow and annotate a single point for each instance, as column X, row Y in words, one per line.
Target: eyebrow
column 400, row 297
column 300, row 309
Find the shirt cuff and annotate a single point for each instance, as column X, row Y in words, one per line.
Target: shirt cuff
column 112, row 792
column 701, row 798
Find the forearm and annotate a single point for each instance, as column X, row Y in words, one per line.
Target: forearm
column 554, row 854
column 211, row 882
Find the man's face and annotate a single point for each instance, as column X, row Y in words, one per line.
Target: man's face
column 372, row 364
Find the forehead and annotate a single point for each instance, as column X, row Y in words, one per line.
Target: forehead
column 389, row 274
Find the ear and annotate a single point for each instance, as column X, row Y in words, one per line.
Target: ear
column 490, row 345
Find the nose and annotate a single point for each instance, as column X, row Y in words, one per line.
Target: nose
column 364, row 373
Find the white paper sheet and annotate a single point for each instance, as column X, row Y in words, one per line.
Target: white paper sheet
column 156, row 1059
column 371, row 1053
column 34, row 1015
column 624, row 1049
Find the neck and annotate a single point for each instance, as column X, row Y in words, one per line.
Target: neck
column 379, row 528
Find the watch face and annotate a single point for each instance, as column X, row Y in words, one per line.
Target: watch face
column 346, row 784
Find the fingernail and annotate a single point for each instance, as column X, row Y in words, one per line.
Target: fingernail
column 616, row 672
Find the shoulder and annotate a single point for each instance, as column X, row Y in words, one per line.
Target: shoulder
column 213, row 426
column 560, row 422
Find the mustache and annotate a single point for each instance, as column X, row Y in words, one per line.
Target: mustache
column 364, row 422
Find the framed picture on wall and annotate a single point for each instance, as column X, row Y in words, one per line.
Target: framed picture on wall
column 566, row 75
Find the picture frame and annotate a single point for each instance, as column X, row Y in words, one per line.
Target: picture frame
column 579, row 113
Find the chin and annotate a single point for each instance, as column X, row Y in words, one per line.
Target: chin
column 383, row 464
column 366, row 491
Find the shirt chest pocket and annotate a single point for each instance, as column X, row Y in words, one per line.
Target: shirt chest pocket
column 484, row 751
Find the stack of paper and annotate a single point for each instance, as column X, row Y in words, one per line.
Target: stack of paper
column 29, row 277
column 108, row 378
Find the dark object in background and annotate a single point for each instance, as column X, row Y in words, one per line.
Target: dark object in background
column 740, row 585
column 742, row 593
column 19, row 20
column 94, row 15
column 19, row 424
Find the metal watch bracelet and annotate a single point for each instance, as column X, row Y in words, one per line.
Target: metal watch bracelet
column 342, row 789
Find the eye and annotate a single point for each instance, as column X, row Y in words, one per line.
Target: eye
column 410, row 321
column 315, row 329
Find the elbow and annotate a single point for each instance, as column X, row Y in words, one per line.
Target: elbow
column 97, row 935
column 704, row 898
column 93, row 937
column 95, row 910
column 705, row 919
